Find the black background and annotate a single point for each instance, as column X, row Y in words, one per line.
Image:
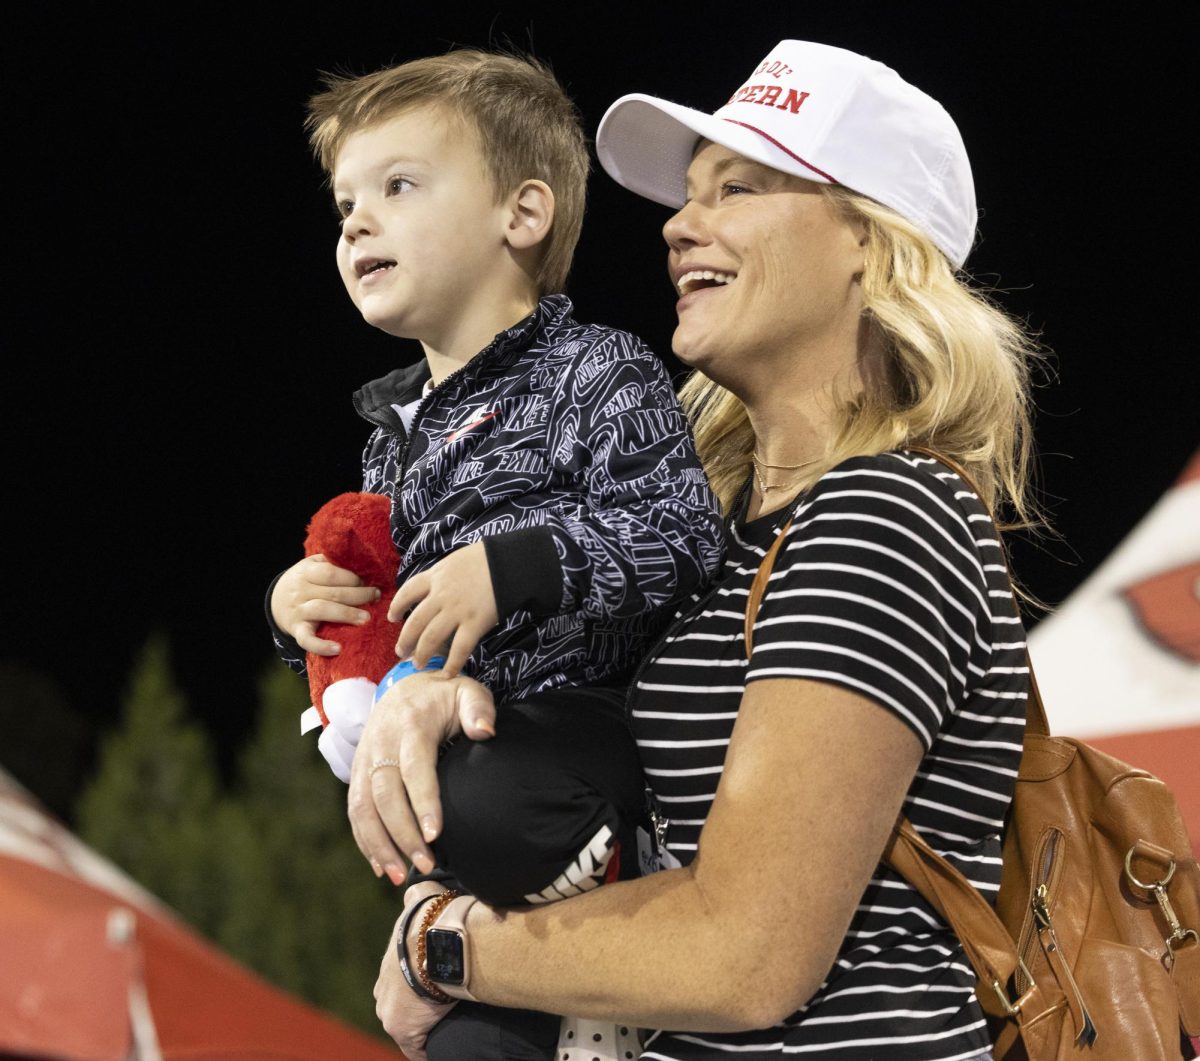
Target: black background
column 180, row 352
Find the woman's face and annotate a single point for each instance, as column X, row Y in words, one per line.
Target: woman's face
column 767, row 269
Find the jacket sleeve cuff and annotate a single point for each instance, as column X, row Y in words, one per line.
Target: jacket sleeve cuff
column 526, row 572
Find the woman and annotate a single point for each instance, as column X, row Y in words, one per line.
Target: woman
column 825, row 209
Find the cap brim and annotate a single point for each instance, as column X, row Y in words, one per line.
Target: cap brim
column 646, row 145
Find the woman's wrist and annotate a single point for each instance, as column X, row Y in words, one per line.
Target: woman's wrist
column 443, row 949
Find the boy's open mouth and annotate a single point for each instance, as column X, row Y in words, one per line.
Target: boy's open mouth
column 698, row 278
column 372, row 265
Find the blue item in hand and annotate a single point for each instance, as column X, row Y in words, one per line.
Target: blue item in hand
column 402, row 670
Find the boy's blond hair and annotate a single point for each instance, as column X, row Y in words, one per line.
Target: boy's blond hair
column 526, row 125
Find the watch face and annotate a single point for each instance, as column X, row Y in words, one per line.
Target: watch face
column 444, row 956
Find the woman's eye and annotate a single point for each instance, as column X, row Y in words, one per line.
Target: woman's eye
column 398, row 185
column 733, row 188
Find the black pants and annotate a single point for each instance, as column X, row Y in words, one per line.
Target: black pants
column 523, row 811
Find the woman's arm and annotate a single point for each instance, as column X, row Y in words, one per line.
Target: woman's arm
column 813, row 782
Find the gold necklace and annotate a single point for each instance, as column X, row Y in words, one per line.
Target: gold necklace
column 776, row 467
column 758, row 463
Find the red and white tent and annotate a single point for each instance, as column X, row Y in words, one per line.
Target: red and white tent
column 1119, row 663
column 94, row 968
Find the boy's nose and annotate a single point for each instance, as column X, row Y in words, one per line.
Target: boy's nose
column 359, row 222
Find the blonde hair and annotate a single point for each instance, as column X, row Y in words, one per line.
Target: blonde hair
column 956, row 378
column 527, row 128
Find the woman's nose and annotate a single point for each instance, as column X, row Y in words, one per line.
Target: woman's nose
column 686, row 228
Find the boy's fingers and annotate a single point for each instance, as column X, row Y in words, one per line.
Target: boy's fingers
column 434, row 639
column 408, row 596
column 326, row 611
column 351, row 595
column 465, row 640
column 306, row 637
column 324, row 573
column 414, row 626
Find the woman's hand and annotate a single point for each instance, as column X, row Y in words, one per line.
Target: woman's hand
column 393, row 802
column 406, row 1017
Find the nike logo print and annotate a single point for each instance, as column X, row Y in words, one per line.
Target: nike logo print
column 459, row 432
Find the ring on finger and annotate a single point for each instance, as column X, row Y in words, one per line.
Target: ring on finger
column 379, row 764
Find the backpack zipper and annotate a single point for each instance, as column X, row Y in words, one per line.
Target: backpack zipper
column 1043, row 888
column 1039, row 929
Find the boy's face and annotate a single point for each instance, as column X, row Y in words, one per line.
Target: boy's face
column 421, row 230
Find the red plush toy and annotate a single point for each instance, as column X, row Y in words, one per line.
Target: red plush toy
column 352, row 531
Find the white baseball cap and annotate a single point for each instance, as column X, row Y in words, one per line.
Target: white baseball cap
column 822, row 113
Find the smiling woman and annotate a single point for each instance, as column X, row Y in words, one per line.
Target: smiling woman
column 822, row 215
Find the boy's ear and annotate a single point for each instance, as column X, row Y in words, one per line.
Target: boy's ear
column 532, row 214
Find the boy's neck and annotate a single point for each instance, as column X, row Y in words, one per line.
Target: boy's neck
column 471, row 332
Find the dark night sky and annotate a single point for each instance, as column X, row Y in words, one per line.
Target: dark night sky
column 182, row 353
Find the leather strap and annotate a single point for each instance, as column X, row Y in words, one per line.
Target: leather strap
column 988, row 946
column 759, row 586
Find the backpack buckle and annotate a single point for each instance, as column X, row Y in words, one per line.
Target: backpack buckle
column 1013, row 1009
column 1158, row 889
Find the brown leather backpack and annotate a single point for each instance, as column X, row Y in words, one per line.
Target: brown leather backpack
column 1091, row 951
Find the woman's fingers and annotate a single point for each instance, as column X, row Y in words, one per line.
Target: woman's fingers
column 393, row 809
column 393, row 803
column 476, row 710
column 369, row 833
column 418, row 774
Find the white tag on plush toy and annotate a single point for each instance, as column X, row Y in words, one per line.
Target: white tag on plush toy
column 348, row 705
column 337, row 753
column 309, row 720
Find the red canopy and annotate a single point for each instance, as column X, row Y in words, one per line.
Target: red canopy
column 96, row 970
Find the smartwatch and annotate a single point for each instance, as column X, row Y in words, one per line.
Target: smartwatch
column 447, row 958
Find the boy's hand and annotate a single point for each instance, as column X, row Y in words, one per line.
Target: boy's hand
column 447, row 608
column 314, row 591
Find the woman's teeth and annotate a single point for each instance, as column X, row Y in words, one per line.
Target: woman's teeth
column 698, row 278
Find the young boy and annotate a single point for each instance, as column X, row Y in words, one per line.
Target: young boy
column 546, row 499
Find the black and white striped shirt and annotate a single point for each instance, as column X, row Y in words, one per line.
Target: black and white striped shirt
column 891, row 583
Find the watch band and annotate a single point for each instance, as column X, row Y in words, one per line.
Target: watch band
column 402, row 947
column 452, row 918
column 431, row 990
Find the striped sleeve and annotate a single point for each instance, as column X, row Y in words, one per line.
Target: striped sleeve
column 879, row 588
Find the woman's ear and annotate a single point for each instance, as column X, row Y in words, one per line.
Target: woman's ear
column 532, row 215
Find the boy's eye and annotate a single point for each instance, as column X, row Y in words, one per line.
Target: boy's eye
column 398, row 185
column 343, row 208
